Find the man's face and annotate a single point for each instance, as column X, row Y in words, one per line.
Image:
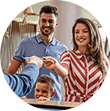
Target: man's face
column 42, row 90
column 47, row 23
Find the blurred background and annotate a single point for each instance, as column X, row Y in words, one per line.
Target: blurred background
column 25, row 24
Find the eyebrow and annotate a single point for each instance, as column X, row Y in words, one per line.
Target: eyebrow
column 83, row 29
column 44, row 91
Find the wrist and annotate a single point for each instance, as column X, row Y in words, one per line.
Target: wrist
column 33, row 62
column 56, row 65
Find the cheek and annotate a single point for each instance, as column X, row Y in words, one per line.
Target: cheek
column 35, row 93
column 46, row 94
column 88, row 38
column 75, row 38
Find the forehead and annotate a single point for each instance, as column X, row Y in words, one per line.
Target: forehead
column 81, row 26
column 42, row 86
column 48, row 16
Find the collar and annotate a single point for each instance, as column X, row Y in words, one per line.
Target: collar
column 39, row 40
column 79, row 54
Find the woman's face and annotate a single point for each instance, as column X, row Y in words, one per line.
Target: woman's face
column 82, row 35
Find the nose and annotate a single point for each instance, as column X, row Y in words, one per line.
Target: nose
column 80, row 34
column 40, row 93
column 46, row 23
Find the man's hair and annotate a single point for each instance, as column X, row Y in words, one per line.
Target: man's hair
column 47, row 79
column 49, row 9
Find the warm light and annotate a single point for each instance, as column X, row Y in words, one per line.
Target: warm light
column 29, row 11
column 25, row 21
column 6, row 34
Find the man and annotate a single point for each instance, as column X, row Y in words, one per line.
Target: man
column 22, row 83
column 44, row 44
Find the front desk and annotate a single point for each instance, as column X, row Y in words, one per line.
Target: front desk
column 52, row 105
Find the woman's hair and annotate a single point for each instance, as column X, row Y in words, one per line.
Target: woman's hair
column 95, row 47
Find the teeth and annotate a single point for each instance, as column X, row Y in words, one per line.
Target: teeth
column 46, row 28
column 81, row 40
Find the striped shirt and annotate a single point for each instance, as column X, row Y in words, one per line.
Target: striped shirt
column 84, row 77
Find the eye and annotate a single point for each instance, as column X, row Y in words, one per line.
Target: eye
column 43, row 20
column 37, row 90
column 51, row 21
column 76, row 31
column 44, row 91
column 85, row 31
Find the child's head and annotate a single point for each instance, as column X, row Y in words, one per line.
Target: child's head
column 44, row 87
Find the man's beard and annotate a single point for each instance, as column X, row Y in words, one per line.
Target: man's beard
column 50, row 28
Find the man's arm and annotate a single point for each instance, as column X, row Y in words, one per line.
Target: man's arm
column 22, row 83
column 13, row 66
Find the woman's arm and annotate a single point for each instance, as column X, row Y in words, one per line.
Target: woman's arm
column 52, row 63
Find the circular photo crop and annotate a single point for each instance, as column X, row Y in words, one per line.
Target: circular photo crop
column 55, row 55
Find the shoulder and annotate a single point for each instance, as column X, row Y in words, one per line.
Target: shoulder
column 27, row 40
column 66, row 53
column 61, row 44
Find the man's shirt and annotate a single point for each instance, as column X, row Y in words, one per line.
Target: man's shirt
column 36, row 46
column 22, row 83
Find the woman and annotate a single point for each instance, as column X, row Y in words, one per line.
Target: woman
column 84, row 67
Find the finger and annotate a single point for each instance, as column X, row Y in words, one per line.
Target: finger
column 50, row 67
column 27, row 61
column 47, row 62
column 46, row 58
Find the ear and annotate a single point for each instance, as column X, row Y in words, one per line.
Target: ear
column 39, row 22
column 57, row 23
column 53, row 94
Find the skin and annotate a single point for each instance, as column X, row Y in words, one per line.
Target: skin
column 13, row 66
column 16, row 64
column 47, row 23
column 42, row 92
column 82, row 37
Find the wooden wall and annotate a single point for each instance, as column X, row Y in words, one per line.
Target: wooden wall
column 17, row 32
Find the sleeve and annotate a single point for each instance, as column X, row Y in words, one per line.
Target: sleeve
column 65, row 59
column 22, row 83
column 19, row 52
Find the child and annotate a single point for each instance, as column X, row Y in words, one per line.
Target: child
column 44, row 89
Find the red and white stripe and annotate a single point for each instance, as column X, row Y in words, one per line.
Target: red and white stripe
column 84, row 76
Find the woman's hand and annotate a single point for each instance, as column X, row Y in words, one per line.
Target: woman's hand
column 52, row 63
column 49, row 62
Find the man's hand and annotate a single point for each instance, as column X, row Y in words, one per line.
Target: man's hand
column 35, row 59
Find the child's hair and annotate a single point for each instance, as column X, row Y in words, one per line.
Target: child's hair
column 47, row 79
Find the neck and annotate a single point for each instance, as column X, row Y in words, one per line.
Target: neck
column 83, row 50
column 47, row 39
